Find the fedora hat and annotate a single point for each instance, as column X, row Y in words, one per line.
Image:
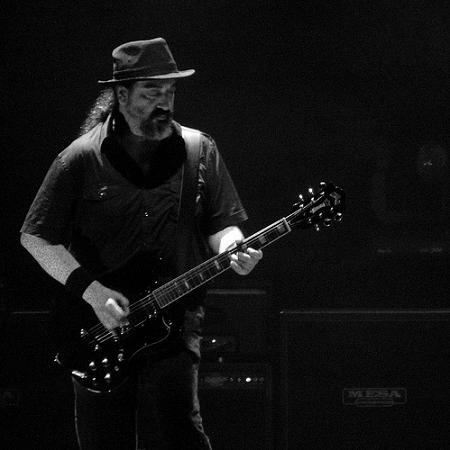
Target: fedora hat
column 144, row 60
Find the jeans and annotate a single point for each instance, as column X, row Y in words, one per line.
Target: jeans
column 156, row 409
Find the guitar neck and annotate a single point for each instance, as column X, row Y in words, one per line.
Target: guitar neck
column 206, row 271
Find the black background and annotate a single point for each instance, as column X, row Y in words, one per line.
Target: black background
column 294, row 93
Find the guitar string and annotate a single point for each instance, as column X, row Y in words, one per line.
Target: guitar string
column 141, row 304
column 166, row 292
column 171, row 292
column 212, row 265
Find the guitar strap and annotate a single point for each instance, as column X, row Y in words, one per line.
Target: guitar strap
column 186, row 225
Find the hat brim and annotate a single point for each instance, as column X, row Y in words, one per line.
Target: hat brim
column 180, row 74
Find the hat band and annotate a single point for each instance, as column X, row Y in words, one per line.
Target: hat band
column 146, row 71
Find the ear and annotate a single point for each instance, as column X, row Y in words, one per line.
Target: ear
column 122, row 94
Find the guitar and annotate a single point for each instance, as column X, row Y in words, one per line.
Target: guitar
column 101, row 359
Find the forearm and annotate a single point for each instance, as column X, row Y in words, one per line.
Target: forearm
column 242, row 261
column 110, row 306
column 56, row 260
column 224, row 239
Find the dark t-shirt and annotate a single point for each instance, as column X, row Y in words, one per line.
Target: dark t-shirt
column 96, row 202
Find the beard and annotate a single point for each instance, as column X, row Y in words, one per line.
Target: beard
column 158, row 125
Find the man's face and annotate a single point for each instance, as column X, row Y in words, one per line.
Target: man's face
column 150, row 105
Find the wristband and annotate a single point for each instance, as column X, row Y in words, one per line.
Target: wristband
column 78, row 280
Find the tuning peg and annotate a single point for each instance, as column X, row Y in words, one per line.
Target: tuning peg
column 84, row 333
column 317, row 227
column 338, row 217
column 311, row 191
column 327, row 222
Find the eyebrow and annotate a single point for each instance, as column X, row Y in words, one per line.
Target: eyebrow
column 149, row 84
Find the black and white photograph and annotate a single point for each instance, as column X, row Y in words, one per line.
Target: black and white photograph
column 225, row 225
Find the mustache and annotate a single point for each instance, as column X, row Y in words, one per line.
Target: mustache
column 161, row 113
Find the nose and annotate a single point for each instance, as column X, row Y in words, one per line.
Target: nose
column 164, row 101
column 165, row 98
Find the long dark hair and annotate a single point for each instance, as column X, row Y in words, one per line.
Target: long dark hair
column 104, row 104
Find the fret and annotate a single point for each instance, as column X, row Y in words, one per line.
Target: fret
column 224, row 260
column 324, row 208
column 179, row 291
column 163, row 297
column 281, row 228
column 262, row 240
column 269, row 234
column 194, row 278
column 210, row 272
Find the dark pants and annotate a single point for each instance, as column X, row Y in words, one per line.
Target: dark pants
column 161, row 403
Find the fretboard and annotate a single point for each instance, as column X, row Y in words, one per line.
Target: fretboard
column 206, row 271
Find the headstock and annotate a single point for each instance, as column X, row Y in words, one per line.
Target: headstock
column 315, row 209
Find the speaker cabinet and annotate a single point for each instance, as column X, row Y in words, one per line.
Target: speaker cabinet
column 236, row 405
column 237, row 323
column 365, row 379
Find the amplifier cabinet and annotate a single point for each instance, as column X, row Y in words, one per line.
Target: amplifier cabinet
column 238, row 323
column 236, row 405
column 365, row 379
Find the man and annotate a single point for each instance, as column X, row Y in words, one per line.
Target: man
column 110, row 203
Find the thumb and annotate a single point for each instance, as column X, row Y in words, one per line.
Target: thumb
column 118, row 302
column 123, row 302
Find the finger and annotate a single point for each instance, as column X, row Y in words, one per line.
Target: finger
column 238, row 268
column 117, row 312
column 244, row 260
column 242, row 257
column 123, row 303
column 257, row 254
column 121, row 300
column 234, row 257
column 124, row 306
column 251, row 260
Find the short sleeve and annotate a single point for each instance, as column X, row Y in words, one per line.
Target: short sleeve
column 223, row 206
column 50, row 214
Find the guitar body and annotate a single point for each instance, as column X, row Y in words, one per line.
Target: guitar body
column 101, row 359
